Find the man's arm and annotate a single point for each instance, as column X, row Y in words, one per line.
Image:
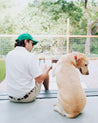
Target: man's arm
column 44, row 75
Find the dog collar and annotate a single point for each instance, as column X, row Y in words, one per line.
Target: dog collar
column 75, row 57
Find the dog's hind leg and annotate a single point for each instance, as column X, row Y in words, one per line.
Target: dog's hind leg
column 59, row 109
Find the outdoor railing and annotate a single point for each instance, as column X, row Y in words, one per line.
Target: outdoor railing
column 53, row 45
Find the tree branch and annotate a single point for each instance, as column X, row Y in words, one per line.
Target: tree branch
column 96, row 21
column 86, row 1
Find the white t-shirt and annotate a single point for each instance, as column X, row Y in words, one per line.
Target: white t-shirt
column 21, row 69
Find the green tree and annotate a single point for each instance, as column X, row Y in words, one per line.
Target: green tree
column 47, row 17
column 60, row 10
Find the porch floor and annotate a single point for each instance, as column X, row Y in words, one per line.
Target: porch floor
column 42, row 111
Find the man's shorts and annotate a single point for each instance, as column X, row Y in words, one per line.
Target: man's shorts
column 30, row 96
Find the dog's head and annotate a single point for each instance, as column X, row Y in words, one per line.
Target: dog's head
column 81, row 63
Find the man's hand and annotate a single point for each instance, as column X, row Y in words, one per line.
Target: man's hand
column 44, row 75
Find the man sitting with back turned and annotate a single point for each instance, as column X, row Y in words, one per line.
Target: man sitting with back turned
column 23, row 74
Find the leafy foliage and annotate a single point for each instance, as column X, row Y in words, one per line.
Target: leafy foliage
column 45, row 17
column 2, row 70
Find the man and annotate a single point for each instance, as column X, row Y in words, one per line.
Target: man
column 22, row 69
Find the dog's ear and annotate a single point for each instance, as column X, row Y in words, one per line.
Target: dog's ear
column 79, row 62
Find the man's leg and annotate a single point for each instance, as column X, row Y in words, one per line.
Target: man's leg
column 31, row 95
column 46, row 83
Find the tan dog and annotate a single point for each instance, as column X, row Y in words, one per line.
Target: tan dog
column 71, row 97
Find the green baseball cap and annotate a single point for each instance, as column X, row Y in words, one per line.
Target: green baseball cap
column 26, row 36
